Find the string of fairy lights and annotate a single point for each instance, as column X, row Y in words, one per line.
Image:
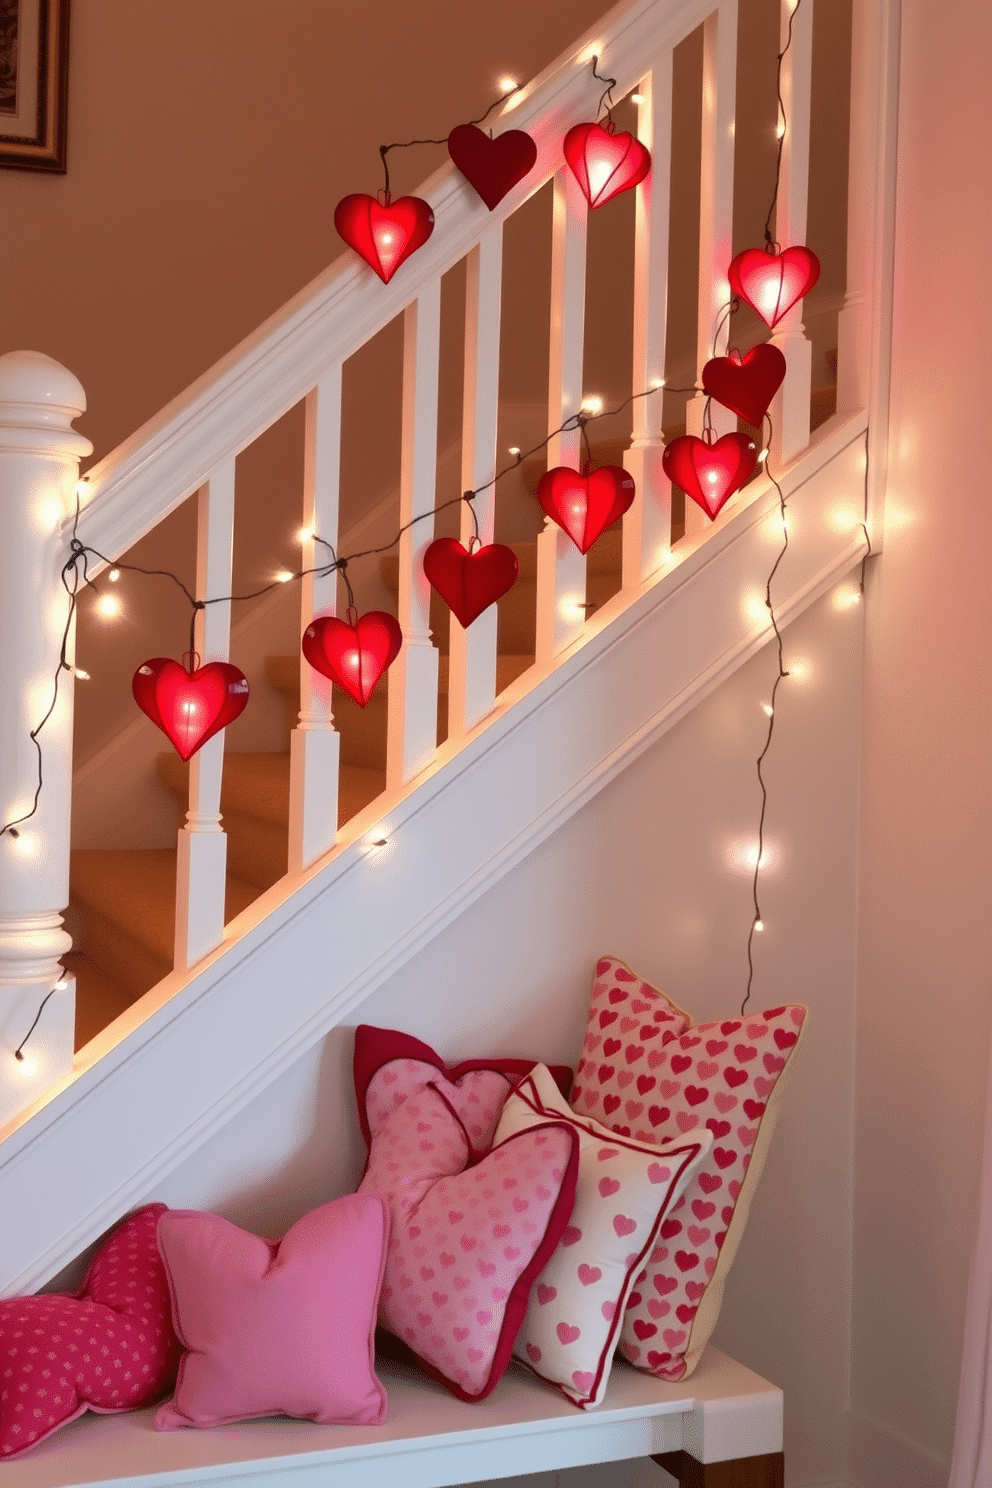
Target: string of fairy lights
column 709, row 470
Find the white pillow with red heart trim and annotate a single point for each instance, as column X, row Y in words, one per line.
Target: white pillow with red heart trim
column 625, row 1188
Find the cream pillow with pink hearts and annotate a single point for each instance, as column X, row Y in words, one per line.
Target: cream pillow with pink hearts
column 625, row 1189
column 726, row 1077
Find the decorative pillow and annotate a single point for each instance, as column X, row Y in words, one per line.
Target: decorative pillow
column 725, row 1076
column 624, row 1191
column 466, row 1242
column 109, row 1348
column 276, row 1329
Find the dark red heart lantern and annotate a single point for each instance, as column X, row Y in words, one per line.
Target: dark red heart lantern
column 189, row 703
column 746, row 385
column 585, row 504
column 355, row 652
column 773, row 282
column 604, row 163
column 492, row 166
column 469, row 580
column 710, row 473
column 384, row 233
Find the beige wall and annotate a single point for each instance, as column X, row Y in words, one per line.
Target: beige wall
column 925, row 982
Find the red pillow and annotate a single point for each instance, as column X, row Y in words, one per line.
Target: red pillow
column 109, row 1348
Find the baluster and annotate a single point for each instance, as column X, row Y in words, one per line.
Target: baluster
column 472, row 652
column 716, row 219
column 315, row 744
column 561, row 568
column 647, row 526
column 412, row 709
column 790, row 410
column 201, row 872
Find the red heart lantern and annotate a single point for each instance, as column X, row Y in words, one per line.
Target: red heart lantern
column 353, row 653
column 386, row 233
column 585, row 505
column 710, row 473
column 469, row 581
column 189, row 703
column 773, row 282
column 746, row 385
column 492, row 166
column 603, row 163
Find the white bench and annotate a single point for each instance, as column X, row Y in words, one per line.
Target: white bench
column 720, row 1429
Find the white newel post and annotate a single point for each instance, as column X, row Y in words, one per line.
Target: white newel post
column 39, row 468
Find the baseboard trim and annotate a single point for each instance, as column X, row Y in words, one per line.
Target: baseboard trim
column 881, row 1457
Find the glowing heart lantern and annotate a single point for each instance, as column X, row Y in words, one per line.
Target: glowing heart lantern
column 384, row 233
column 603, row 162
column 469, row 580
column 710, row 473
column 585, row 504
column 772, row 282
column 189, row 703
column 492, row 166
column 746, row 385
column 355, row 652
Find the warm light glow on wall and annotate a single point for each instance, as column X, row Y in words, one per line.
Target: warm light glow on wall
column 108, row 606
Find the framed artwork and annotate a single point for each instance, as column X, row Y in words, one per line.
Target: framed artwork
column 34, row 76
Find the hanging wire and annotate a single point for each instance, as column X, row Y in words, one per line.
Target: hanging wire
column 406, row 144
column 769, row 240
column 607, row 92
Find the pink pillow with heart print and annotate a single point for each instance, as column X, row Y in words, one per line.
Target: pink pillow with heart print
column 110, row 1348
column 625, row 1189
column 726, row 1077
column 469, row 1232
column 629, row 1024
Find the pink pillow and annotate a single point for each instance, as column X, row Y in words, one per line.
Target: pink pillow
column 276, row 1329
column 110, row 1348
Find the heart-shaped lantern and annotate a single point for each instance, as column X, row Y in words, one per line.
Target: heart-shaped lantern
column 384, row 233
column 746, row 385
column 189, row 703
column 585, row 504
column 710, row 473
column 773, row 282
column 355, row 652
column 469, row 581
column 492, row 166
column 604, row 163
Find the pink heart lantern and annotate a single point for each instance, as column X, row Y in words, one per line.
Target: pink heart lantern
column 469, row 581
column 746, row 385
column 773, row 282
column 355, row 652
column 492, row 166
column 584, row 505
column 189, row 703
column 710, row 473
column 604, row 163
column 384, row 233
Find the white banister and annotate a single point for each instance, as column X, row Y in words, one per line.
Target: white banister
column 647, row 526
column 561, row 568
column 39, row 466
column 412, row 708
column 790, row 409
column 716, row 219
column 315, row 745
column 201, row 870
column 472, row 652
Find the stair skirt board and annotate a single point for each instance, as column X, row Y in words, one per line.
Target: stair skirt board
column 540, row 755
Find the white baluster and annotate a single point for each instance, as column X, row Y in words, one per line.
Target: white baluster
column 412, row 709
column 201, row 872
column 716, row 220
column 561, row 568
column 472, row 652
column 790, row 409
column 647, row 526
column 315, row 745
column 39, row 466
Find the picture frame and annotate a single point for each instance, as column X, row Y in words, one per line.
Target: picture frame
column 34, row 79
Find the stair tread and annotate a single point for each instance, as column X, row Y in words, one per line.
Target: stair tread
column 258, row 784
column 99, row 1000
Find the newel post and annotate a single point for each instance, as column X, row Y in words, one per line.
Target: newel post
column 39, row 468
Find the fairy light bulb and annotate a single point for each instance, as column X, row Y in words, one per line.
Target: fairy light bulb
column 593, row 403
column 283, row 577
column 759, row 925
column 508, row 85
column 108, row 606
column 114, row 575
